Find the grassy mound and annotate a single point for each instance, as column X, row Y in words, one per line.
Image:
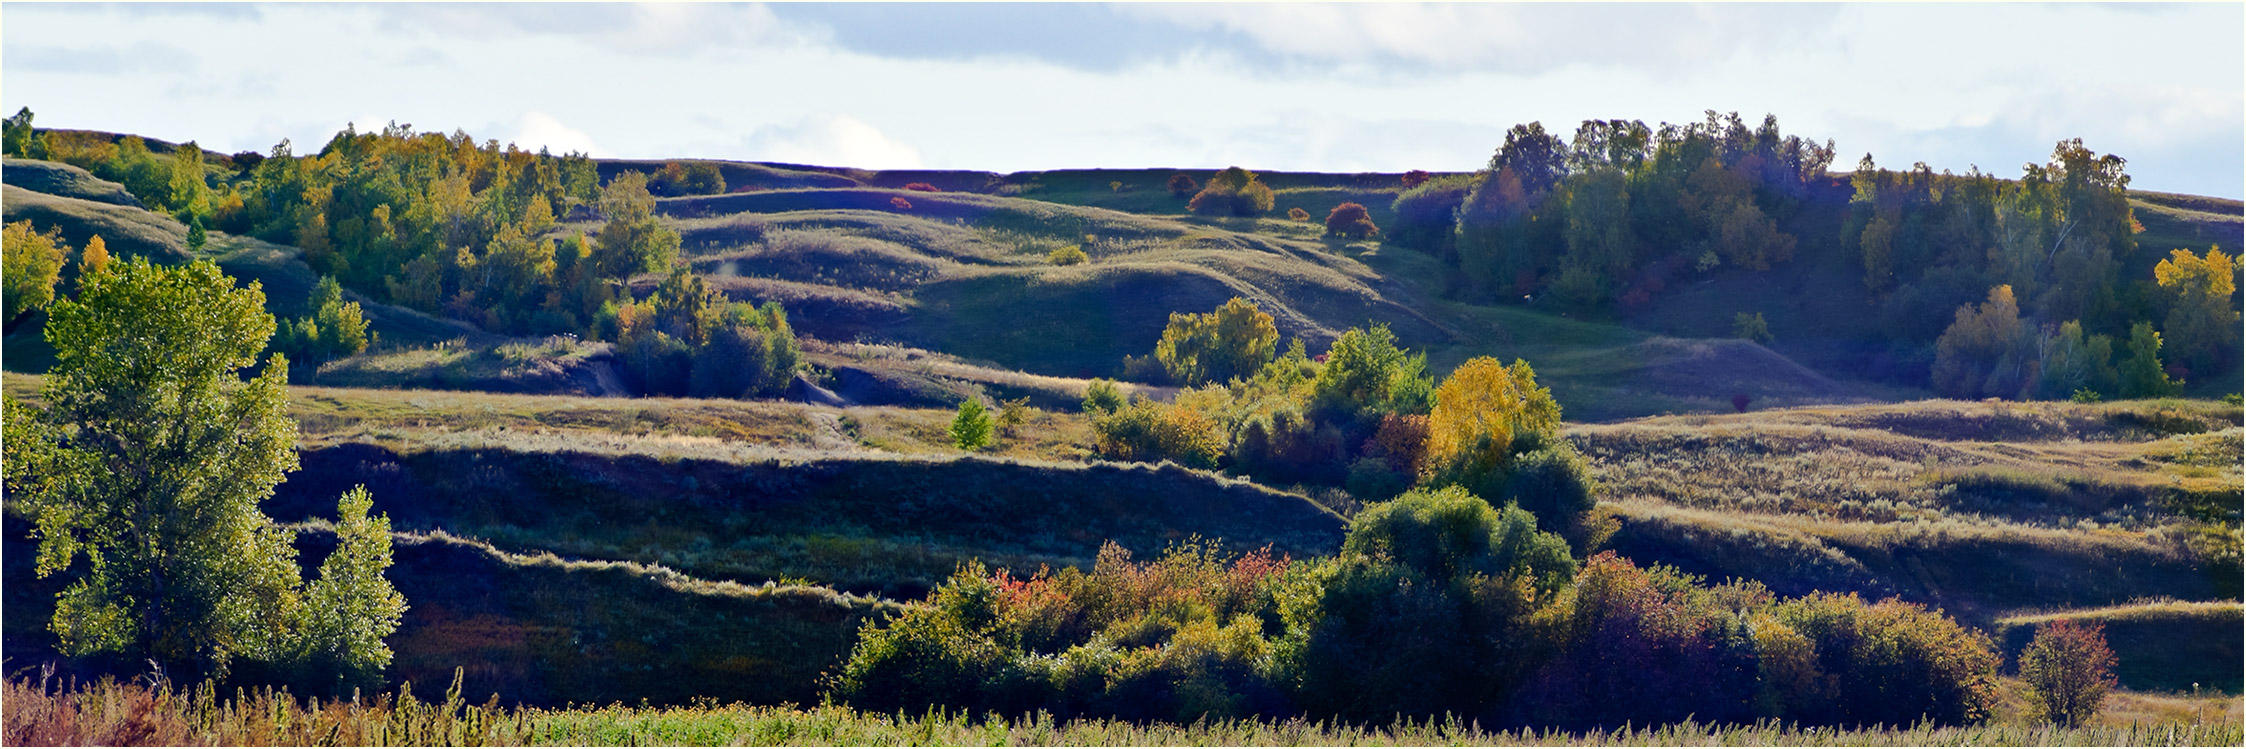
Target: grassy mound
column 2166, row 646
column 129, row 231
column 555, row 365
column 66, row 181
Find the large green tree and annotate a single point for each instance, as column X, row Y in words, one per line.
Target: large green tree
column 145, row 471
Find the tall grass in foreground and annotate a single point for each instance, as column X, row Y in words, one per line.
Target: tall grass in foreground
column 112, row 713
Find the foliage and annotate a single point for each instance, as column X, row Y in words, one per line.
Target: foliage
column 685, row 339
column 1426, row 215
column 1367, row 376
column 1446, row 533
column 1349, row 221
column 1232, row 192
column 1101, row 396
column 1480, row 411
column 1232, row 341
column 1415, row 178
column 1067, row 255
column 150, row 462
column 1987, row 352
column 2202, row 326
column 1149, row 431
column 335, row 329
column 680, row 178
column 1297, row 214
column 922, row 187
column 971, row 429
column 1750, row 327
column 1182, row 185
column 2069, row 670
column 18, row 138
column 2142, row 376
column 34, row 263
column 900, row 204
column 1890, row 662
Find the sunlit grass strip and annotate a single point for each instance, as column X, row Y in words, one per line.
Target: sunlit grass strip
column 130, row 714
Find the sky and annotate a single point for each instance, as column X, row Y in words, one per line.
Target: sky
column 1008, row 87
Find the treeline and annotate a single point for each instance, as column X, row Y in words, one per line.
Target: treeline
column 2050, row 256
column 453, row 227
column 1617, row 213
column 1611, row 218
column 1364, row 416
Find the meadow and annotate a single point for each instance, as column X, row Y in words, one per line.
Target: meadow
column 586, row 563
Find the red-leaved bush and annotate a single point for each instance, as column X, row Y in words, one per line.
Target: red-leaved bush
column 900, row 204
column 922, row 187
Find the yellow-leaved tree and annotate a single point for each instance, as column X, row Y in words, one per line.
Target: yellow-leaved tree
column 2202, row 325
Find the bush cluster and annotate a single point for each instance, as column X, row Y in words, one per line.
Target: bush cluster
column 680, row 178
column 1232, row 192
column 1350, row 221
column 1438, row 604
column 687, row 340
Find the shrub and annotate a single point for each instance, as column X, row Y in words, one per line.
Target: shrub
column 922, row 187
column 1647, row 646
column 970, row 430
column 900, row 204
column 1366, row 375
column 1740, row 401
column 1297, row 214
column 2069, row 670
column 1101, row 396
column 1284, row 447
column 1372, row 479
column 1149, row 431
column 1182, row 185
column 1891, row 662
column 1427, row 215
column 1232, row 341
column 1750, row 327
column 688, row 178
column 1068, row 255
column 1415, row 178
column 1234, row 192
column 1551, row 479
column 1444, row 533
column 1986, row 352
column 1350, row 221
column 1401, row 441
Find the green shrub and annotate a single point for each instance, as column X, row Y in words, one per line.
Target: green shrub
column 1750, row 327
column 1232, row 341
column 1101, row 396
column 970, row 430
column 1445, row 533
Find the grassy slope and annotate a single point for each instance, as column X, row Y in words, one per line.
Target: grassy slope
column 63, row 180
column 1980, row 508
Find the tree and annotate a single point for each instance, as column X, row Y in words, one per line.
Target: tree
column 334, row 329
column 1750, row 327
column 2069, row 670
column 2074, row 364
column 1350, row 221
column 2202, row 325
column 149, row 464
column 1987, row 352
column 1232, row 341
column 1427, row 215
column 632, row 242
column 20, row 139
column 33, row 262
column 1480, row 411
column 2141, row 374
column 971, row 429
column 351, row 608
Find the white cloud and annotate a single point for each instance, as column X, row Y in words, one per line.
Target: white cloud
column 831, row 140
column 540, row 130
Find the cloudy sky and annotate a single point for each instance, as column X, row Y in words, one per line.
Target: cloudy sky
column 1333, row 87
